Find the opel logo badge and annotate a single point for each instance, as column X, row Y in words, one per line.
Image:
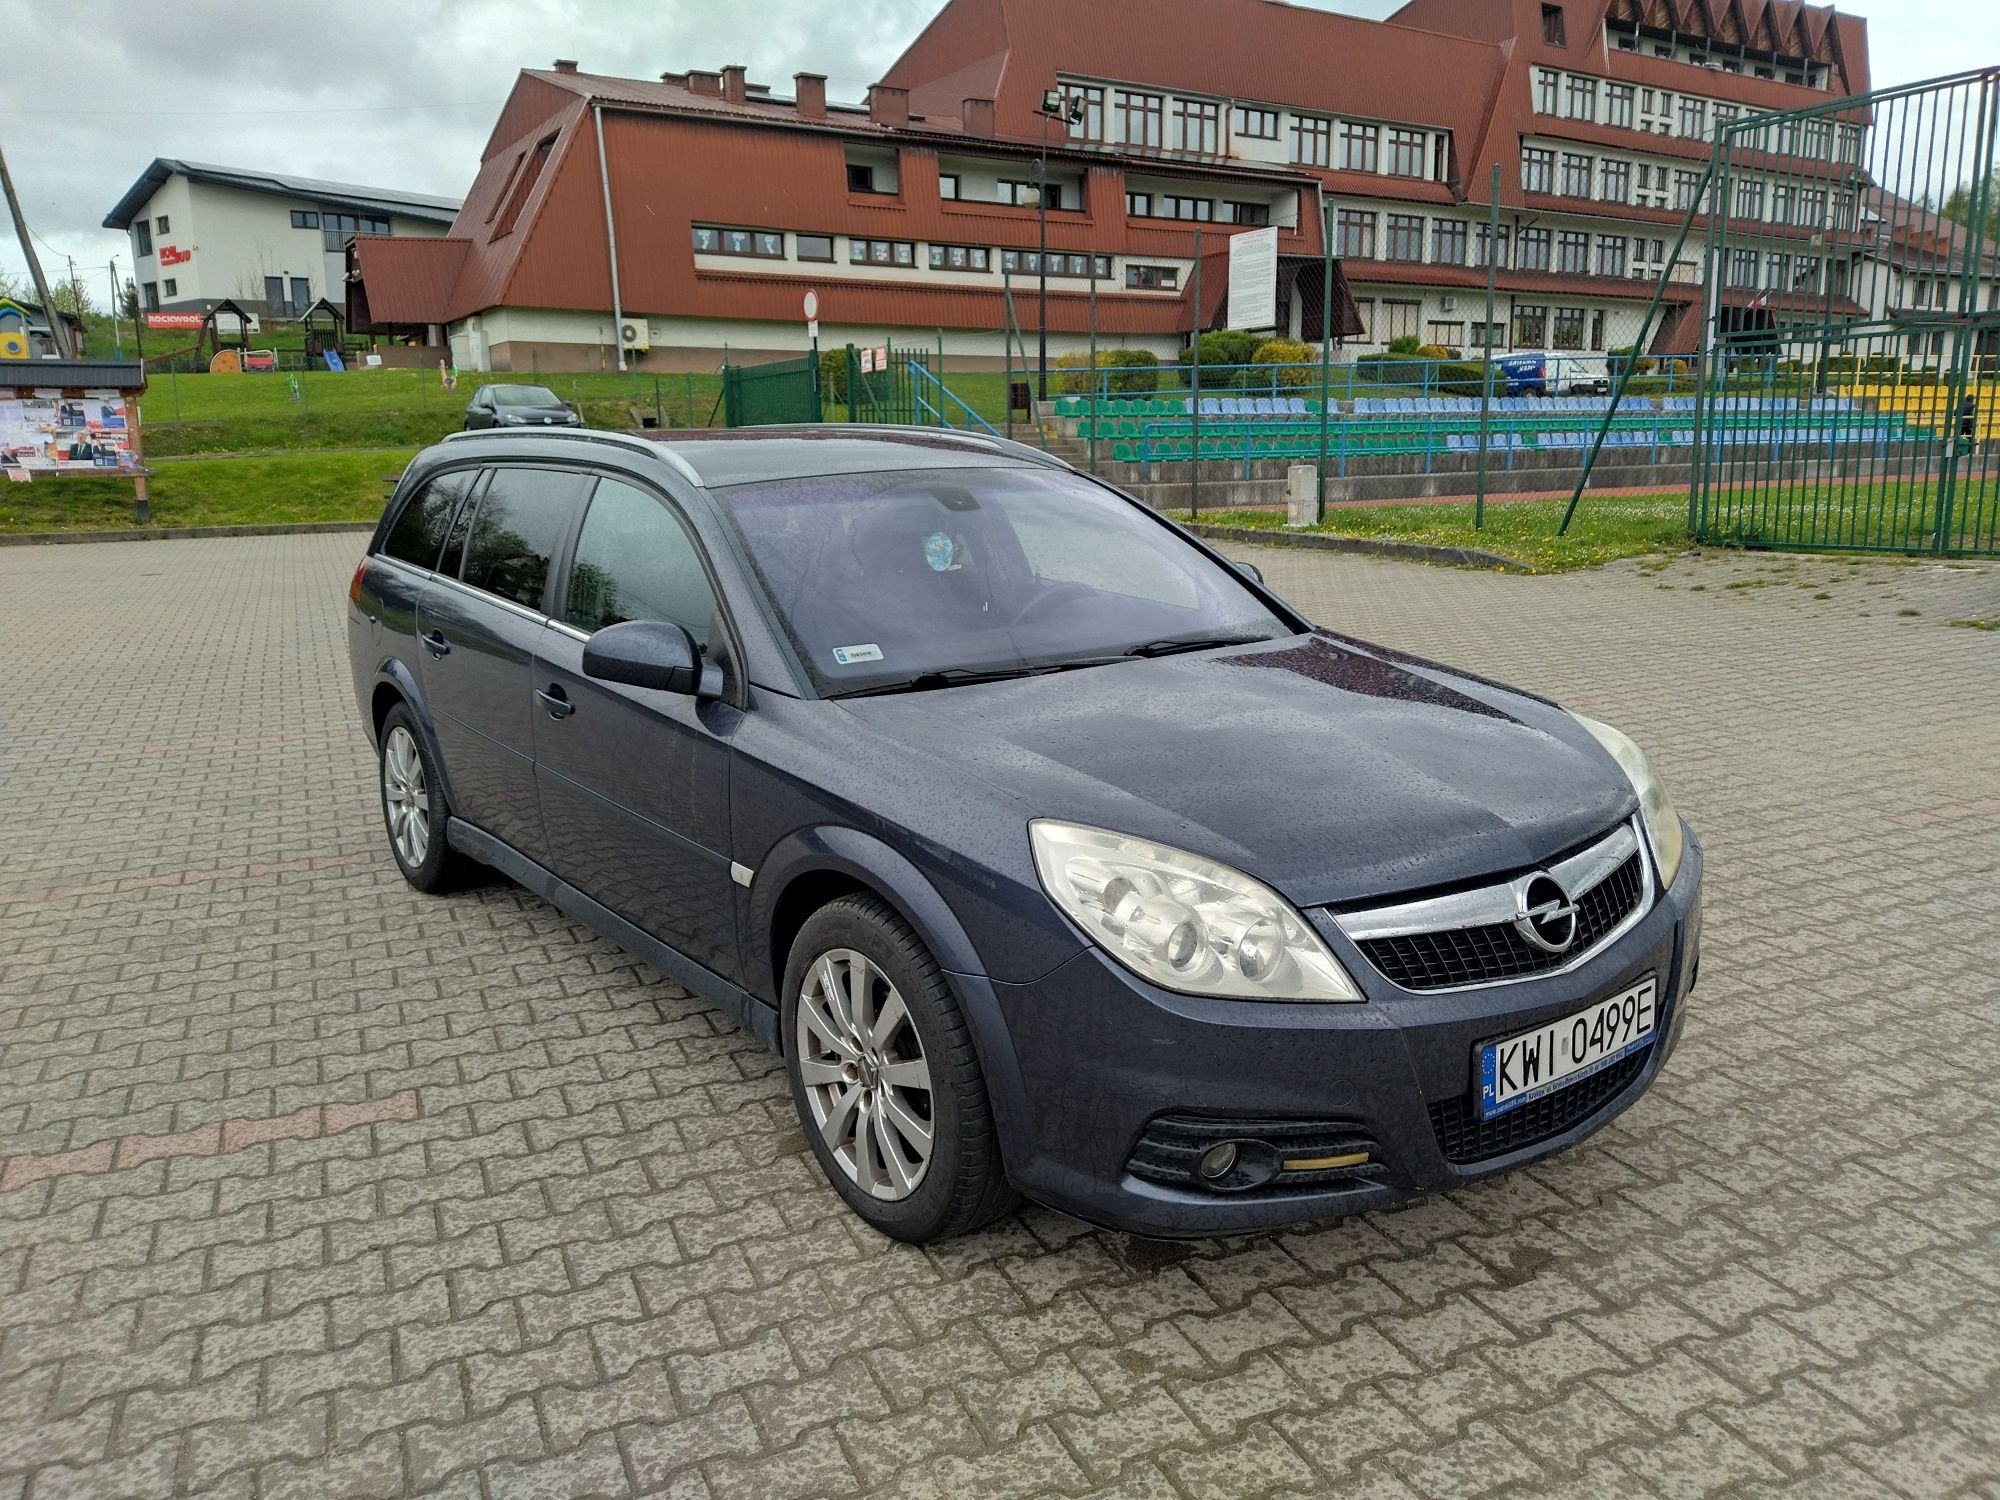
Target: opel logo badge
column 1547, row 916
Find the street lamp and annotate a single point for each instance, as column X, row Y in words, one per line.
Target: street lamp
column 1054, row 107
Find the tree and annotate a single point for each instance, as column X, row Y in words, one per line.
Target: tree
column 128, row 300
column 73, row 296
column 1958, row 206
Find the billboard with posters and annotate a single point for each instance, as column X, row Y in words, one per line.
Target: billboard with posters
column 47, row 432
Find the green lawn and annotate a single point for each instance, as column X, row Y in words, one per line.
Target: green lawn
column 213, row 492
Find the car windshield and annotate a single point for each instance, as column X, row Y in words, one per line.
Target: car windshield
column 525, row 395
column 916, row 579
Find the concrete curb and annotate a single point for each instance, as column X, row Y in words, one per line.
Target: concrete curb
column 1456, row 557
column 177, row 533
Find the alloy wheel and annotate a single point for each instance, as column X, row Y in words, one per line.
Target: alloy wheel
column 406, row 797
column 866, row 1079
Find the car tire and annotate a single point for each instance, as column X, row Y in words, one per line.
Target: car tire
column 414, row 810
column 855, row 1058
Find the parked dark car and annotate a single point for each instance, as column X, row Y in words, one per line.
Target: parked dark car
column 1057, row 855
column 504, row 404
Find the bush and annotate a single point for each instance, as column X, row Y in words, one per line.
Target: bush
column 1134, row 369
column 1224, row 346
column 1433, row 351
column 1409, row 344
column 1444, row 379
column 833, row 377
column 1294, row 361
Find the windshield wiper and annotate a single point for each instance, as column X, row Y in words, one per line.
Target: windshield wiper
column 1192, row 643
column 944, row 677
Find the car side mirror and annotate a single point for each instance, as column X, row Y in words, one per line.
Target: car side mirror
column 1251, row 571
column 644, row 653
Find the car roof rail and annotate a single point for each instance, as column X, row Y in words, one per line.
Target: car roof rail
column 993, row 442
column 652, row 446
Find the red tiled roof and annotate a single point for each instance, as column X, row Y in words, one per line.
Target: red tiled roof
column 401, row 281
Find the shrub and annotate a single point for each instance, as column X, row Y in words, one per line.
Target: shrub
column 1133, row 369
column 1445, row 379
column 1224, row 346
column 833, row 377
column 1294, row 361
column 1433, row 351
column 1408, row 345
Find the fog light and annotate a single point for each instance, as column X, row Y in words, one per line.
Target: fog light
column 1218, row 1161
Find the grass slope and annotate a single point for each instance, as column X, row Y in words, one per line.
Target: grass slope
column 213, row 492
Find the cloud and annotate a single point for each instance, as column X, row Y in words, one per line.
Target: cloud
column 402, row 93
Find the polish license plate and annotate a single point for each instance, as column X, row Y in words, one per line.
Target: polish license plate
column 1520, row 1069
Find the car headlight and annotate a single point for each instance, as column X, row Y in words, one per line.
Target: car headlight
column 1183, row 922
column 1656, row 808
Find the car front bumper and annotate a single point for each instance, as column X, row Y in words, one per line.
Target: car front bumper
column 1097, row 1055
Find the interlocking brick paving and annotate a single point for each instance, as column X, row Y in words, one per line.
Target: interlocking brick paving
column 596, row 1258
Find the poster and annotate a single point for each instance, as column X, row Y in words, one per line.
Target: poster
column 47, row 432
column 1253, row 279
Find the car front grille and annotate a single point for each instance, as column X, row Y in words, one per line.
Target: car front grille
column 1465, row 1138
column 1479, row 955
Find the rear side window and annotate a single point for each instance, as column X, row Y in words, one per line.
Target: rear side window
column 635, row 562
column 419, row 532
column 523, row 521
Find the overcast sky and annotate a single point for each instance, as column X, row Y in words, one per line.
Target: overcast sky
column 401, row 93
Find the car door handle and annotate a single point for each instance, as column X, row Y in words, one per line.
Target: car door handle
column 435, row 643
column 556, row 701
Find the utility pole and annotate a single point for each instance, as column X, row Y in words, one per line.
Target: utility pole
column 117, row 340
column 57, row 328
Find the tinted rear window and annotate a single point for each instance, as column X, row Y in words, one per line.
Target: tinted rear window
column 524, row 519
column 419, row 531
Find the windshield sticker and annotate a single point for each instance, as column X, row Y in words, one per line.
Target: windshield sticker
column 847, row 656
column 938, row 551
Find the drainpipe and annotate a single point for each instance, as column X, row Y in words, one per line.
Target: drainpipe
column 611, row 237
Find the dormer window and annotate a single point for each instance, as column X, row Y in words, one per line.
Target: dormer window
column 1553, row 33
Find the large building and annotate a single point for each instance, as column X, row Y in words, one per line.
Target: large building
column 273, row 244
column 913, row 213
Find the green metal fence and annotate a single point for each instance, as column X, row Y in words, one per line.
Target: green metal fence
column 785, row 390
column 1851, row 255
column 882, row 383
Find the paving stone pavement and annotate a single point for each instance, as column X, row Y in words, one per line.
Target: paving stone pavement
column 379, row 1194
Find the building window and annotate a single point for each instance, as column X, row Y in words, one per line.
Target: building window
column 1447, row 334
column 1197, row 126
column 1174, row 207
column 1136, row 118
column 1354, row 234
column 1139, row 205
column 948, row 185
column 758, row 244
column 1814, row 200
column 1246, row 213
column 1552, row 26
column 1406, row 153
column 1576, row 175
column 1548, row 90
column 1815, row 140
column 1617, row 181
column 1497, row 255
column 1359, row 147
column 1611, row 255
column 1312, row 141
column 1153, row 278
column 1749, row 199
column 1581, row 97
column 1597, row 329
column 1725, row 114
column 1568, row 331
column 1448, row 241
column 1784, row 204
column 1778, row 273
column 1091, row 126
column 149, row 293
column 1405, row 237
column 1398, row 321
column 335, row 228
column 961, row 258
column 142, row 237
column 1743, row 268
column 860, row 177
column 1573, row 253
column 1538, row 170
column 1531, row 325
column 1365, row 307
column 1488, row 335
column 527, row 175
column 173, row 287
column 815, row 246
column 304, row 219
column 1618, row 105
column 274, row 292
column 160, row 225
column 1534, row 250
column 1022, row 194
column 881, row 252
column 1686, row 185
column 1694, row 116
column 1255, row 124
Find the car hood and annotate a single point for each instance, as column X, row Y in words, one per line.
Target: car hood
column 1332, row 770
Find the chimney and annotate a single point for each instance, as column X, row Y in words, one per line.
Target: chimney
column 733, row 83
column 704, row 83
column 565, row 65
column 888, row 106
column 678, row 80
column 976, row 115
column 810, row 89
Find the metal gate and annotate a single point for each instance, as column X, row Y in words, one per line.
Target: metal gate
column 882, row 383
column 1850, row 344
column 786, row 390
